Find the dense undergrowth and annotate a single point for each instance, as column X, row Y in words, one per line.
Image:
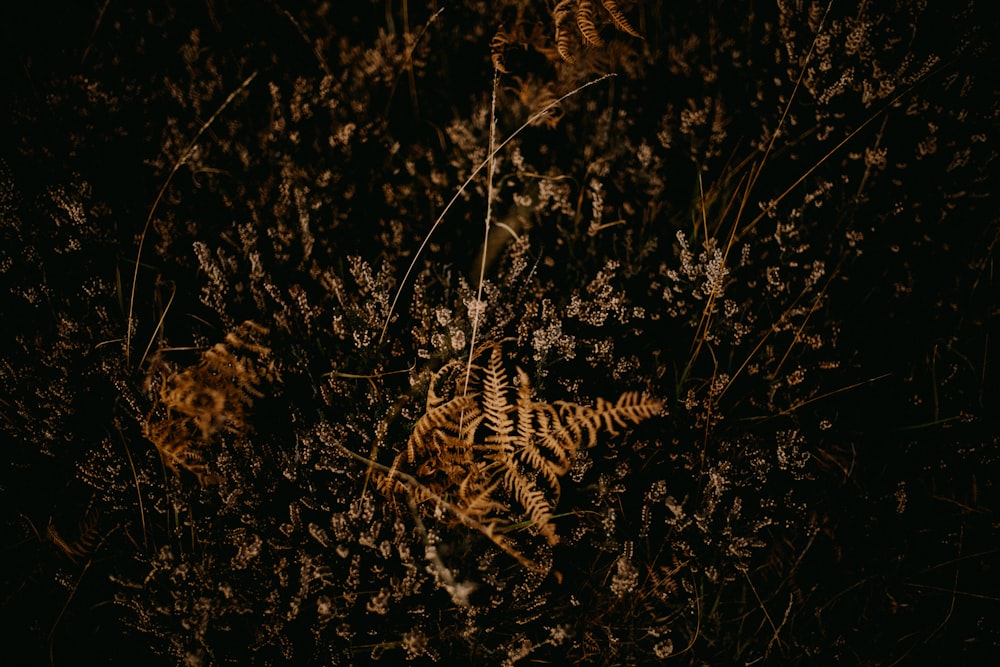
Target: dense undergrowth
column 775, row 221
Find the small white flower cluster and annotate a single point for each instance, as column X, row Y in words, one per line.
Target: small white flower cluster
column 368, row 313
column 556, row 195
column 791, row 456
column 626, row 576
column 703, row 277
column 551, row 341
column 604, row 300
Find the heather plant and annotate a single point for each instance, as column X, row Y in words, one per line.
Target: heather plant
column 590, row 333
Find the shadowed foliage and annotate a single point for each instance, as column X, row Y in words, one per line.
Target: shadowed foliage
column 496, row 333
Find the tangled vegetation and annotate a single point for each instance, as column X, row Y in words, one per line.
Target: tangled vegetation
column 496, row 333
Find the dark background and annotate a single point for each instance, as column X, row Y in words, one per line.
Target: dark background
column 884, row 551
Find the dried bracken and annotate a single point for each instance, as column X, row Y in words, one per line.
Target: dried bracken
column 195, row 404
column 584, row 15
column 743, row 222
column 496, row 451
column 85, row 540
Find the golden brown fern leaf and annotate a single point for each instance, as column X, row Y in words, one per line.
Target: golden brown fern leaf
column 86, row 539
column 498, row 45
column 562, row 15
column 496, row 452
column 178, row 445
column 195, row 404
column 585, row 22
column 630, row 408
column 618, row 18
column 495, row 402
column 586, row 17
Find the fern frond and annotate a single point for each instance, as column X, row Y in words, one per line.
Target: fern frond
column 618, row 18
column 444, row 418
column 194, row 405
column 477, row 499
column 631, row 408
column 85, row 541
column 534, row 501
column 495, row 386
column 563, row 14
column 585, row 22
column 497, row 47
column 497, row 452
